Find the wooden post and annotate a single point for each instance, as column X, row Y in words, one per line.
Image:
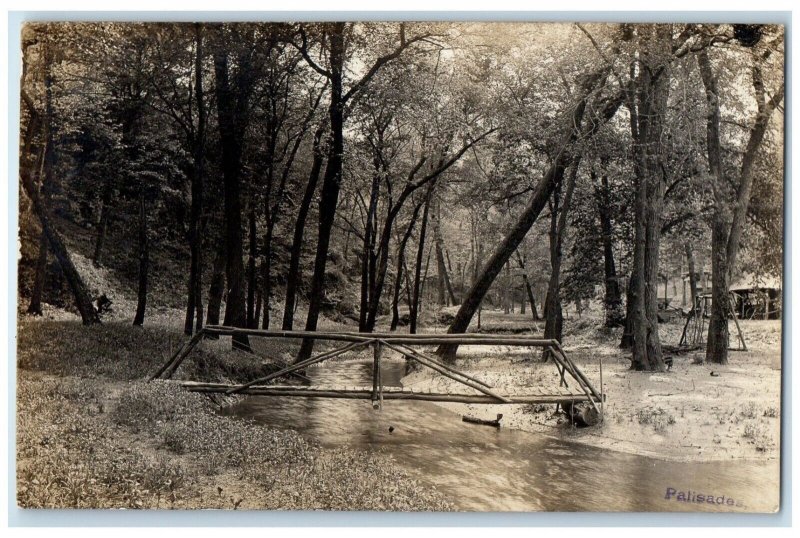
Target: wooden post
column 602, row 394
column 376, row 376
column 738, row 329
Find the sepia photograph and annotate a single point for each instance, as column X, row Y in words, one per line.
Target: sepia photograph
column 400, row 266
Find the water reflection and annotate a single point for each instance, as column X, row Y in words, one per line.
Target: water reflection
column 486, row 469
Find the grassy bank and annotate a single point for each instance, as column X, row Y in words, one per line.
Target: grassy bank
column 694, row 412
column 92, row 434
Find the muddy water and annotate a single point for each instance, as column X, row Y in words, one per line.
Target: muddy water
column 481, row 468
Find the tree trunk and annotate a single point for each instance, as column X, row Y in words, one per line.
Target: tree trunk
column 217, row 287
column 692, row 274
column 102, row 225
column 415, row 298
column 612, row 299
column 724, row 240
column 554, row 318
column 368, row 252
column 542, row 193
column 194, row 303
column 401, row 264
column 293, row 275
column 528, row 287
column 648, row 107
column 266, row 274
column 251, row 266
column 83, row 300
column 331, row 182
column 35, row 306
column 398, row 285
column 144, row 261
column 259, row 300
column 441, row 267
column 230, row 131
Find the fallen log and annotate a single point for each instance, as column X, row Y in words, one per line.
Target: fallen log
column 581, row 413
column 472, row 420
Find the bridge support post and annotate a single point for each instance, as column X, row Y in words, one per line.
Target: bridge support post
column 377, row 384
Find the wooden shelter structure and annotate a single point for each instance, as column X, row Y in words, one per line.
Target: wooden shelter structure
column 757, row 298
column 575, row 393
column 695, row 328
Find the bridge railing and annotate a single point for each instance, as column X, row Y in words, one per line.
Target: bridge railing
column 402, row 344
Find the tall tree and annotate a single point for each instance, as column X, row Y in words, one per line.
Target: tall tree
column 334, row 36
column 194, row 302
column 544, row 189
column 554, row 318
column 232, row 110
column 44, row 120
column 730, row 212
column 647, row 105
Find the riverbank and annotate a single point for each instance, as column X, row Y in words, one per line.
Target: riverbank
column 92, row 434
column 693, row 412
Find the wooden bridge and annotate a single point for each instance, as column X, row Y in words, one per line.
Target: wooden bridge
column 573, row 388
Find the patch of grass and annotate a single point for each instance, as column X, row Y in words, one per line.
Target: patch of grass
column 772, row 412
column 124, row 352
column 757, row 434
column 67, row 459
column 748, row 410
column 657, row 417
column 71, row 459
column 114, row 350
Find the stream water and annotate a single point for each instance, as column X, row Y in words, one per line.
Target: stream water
column 481, row 468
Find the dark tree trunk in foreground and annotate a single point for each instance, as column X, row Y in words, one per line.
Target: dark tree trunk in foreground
column 528, row 288
column 217, row 287
column 102, row 225
column 251, row 268
column 231, row 108
column 648, row 107
column 144, row 261
column 541, row 194
column 293, row 275
column 368, row 250
column 441, row 267
column 331, row 182
column 612, row 299
column 83, row 300
column 729, row 216
column 35, row 306
column 554, row 318
column 194, row 302
column 415, row 294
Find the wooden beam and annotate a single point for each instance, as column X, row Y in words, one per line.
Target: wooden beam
column 172, row 364
column 443, row 365
column 297, row 366
column 365, row 393
column 418, row 339
column 447, row 373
